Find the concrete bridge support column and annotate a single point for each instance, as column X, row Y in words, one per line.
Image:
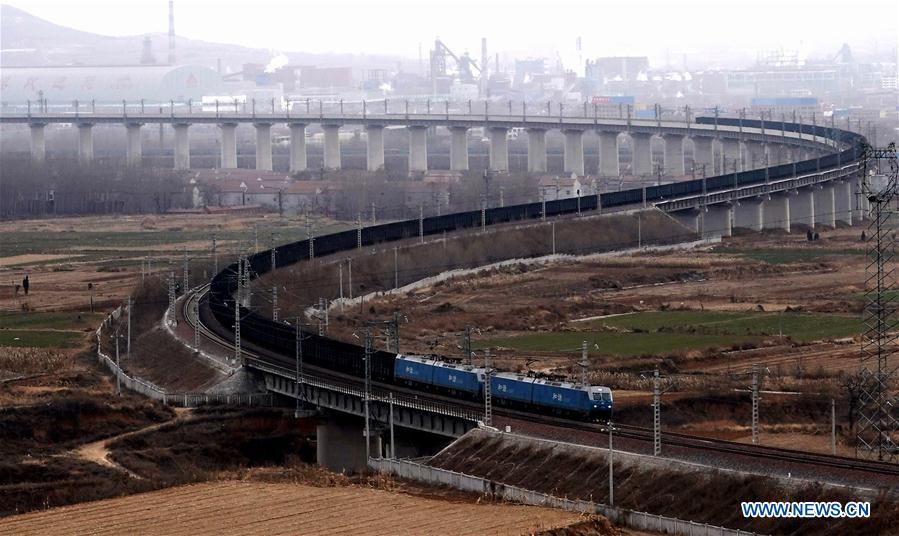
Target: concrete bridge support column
column 459, row 148
column 776, row 212
column 341, row 445
column 718, row 220
column 802, row 208
column 263, row 146
column 703, row 155
column 297, row 147
column 38, row 144
column 182, row 146
column 608, row 154
column 332, row 146
column 374, row 147
column 537, row 150
column 730, row 153
column 85, row 143
column 748, row 214
column 499, row 149
column 229, row 145
column 674, row 155
column 825, row 205
column 688, row 218
column 642, row 156
column 418, row 148
column 842, row 202
column 574, row 152
column 860, row 204
column 133, row 149
column 756, row 152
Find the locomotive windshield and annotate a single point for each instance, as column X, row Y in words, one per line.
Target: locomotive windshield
column 601, row 396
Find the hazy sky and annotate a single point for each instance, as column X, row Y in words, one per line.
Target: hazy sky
column 636, row 27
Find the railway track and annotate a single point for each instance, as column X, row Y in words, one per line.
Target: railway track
column 643, row 436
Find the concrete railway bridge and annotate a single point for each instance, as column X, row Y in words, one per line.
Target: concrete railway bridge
column 822, row 188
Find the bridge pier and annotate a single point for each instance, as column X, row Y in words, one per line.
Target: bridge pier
column 748, row 214
column 331, row 146
column 674, row 155
column 263, row 146
column 825, row 205
column 182, row 146
column 38, row 144
column 608, row 154
column 574, row 152
column 688, row 218
column 85, row 143
column 297, row 147
column 229, row 145
column 374, row 147
column 776, row 212
column 703, row 155
column 642, row 154
column 499, row 149
column 756, row 152
column 730, row 151
column 842, row 202
column 537, row 150
column 717, row 220
column 133, row 148
column 459, row 148
column 340, row 445
column 418, row 148
column 861, row 204
column 802, row 208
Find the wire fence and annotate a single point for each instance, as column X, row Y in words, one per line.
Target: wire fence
column 178, row 399
column 620, row 516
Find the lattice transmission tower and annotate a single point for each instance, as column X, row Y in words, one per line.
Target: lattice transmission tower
column 877, row 434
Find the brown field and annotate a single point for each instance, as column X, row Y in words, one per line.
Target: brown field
column 234, row 507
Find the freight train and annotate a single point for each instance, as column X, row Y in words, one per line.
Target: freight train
column 529, row 394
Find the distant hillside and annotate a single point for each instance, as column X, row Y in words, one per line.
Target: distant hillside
column 27, row 40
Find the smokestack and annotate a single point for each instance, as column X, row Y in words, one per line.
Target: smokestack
column 484, row 70
column 171, row 32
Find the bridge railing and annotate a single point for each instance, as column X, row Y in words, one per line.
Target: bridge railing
column 377, row 394
column 629, row 518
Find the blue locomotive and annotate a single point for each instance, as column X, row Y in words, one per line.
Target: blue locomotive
column 591, row 402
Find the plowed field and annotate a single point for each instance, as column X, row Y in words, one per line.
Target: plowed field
column 240, row 508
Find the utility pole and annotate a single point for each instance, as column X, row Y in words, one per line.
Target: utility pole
column 368, row 354
column 396, row 277
column 349, row 266
column 197, row 325
column 374, row 220
column 466, row 344
column 833, row 427
column 118, row 372
column 611, row 471
column 128, row 347
column 273, row 250
column 172, row 318
column 584, row 364
column 340, row 278
column 656, row 413
column 755, row 405
column 359, row 231
column 275, row 303
column 488, row 402
column 552, row 226
column 255, row 238
column 421, row 224
column 215, row 257
column 392, row 441
column 186, row 284
column 237, row 352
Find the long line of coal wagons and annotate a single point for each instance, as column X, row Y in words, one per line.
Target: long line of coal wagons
column 529, row 393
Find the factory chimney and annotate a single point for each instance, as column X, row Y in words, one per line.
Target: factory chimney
column 171, row 32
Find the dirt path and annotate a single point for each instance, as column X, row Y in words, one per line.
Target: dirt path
column 98, row 451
